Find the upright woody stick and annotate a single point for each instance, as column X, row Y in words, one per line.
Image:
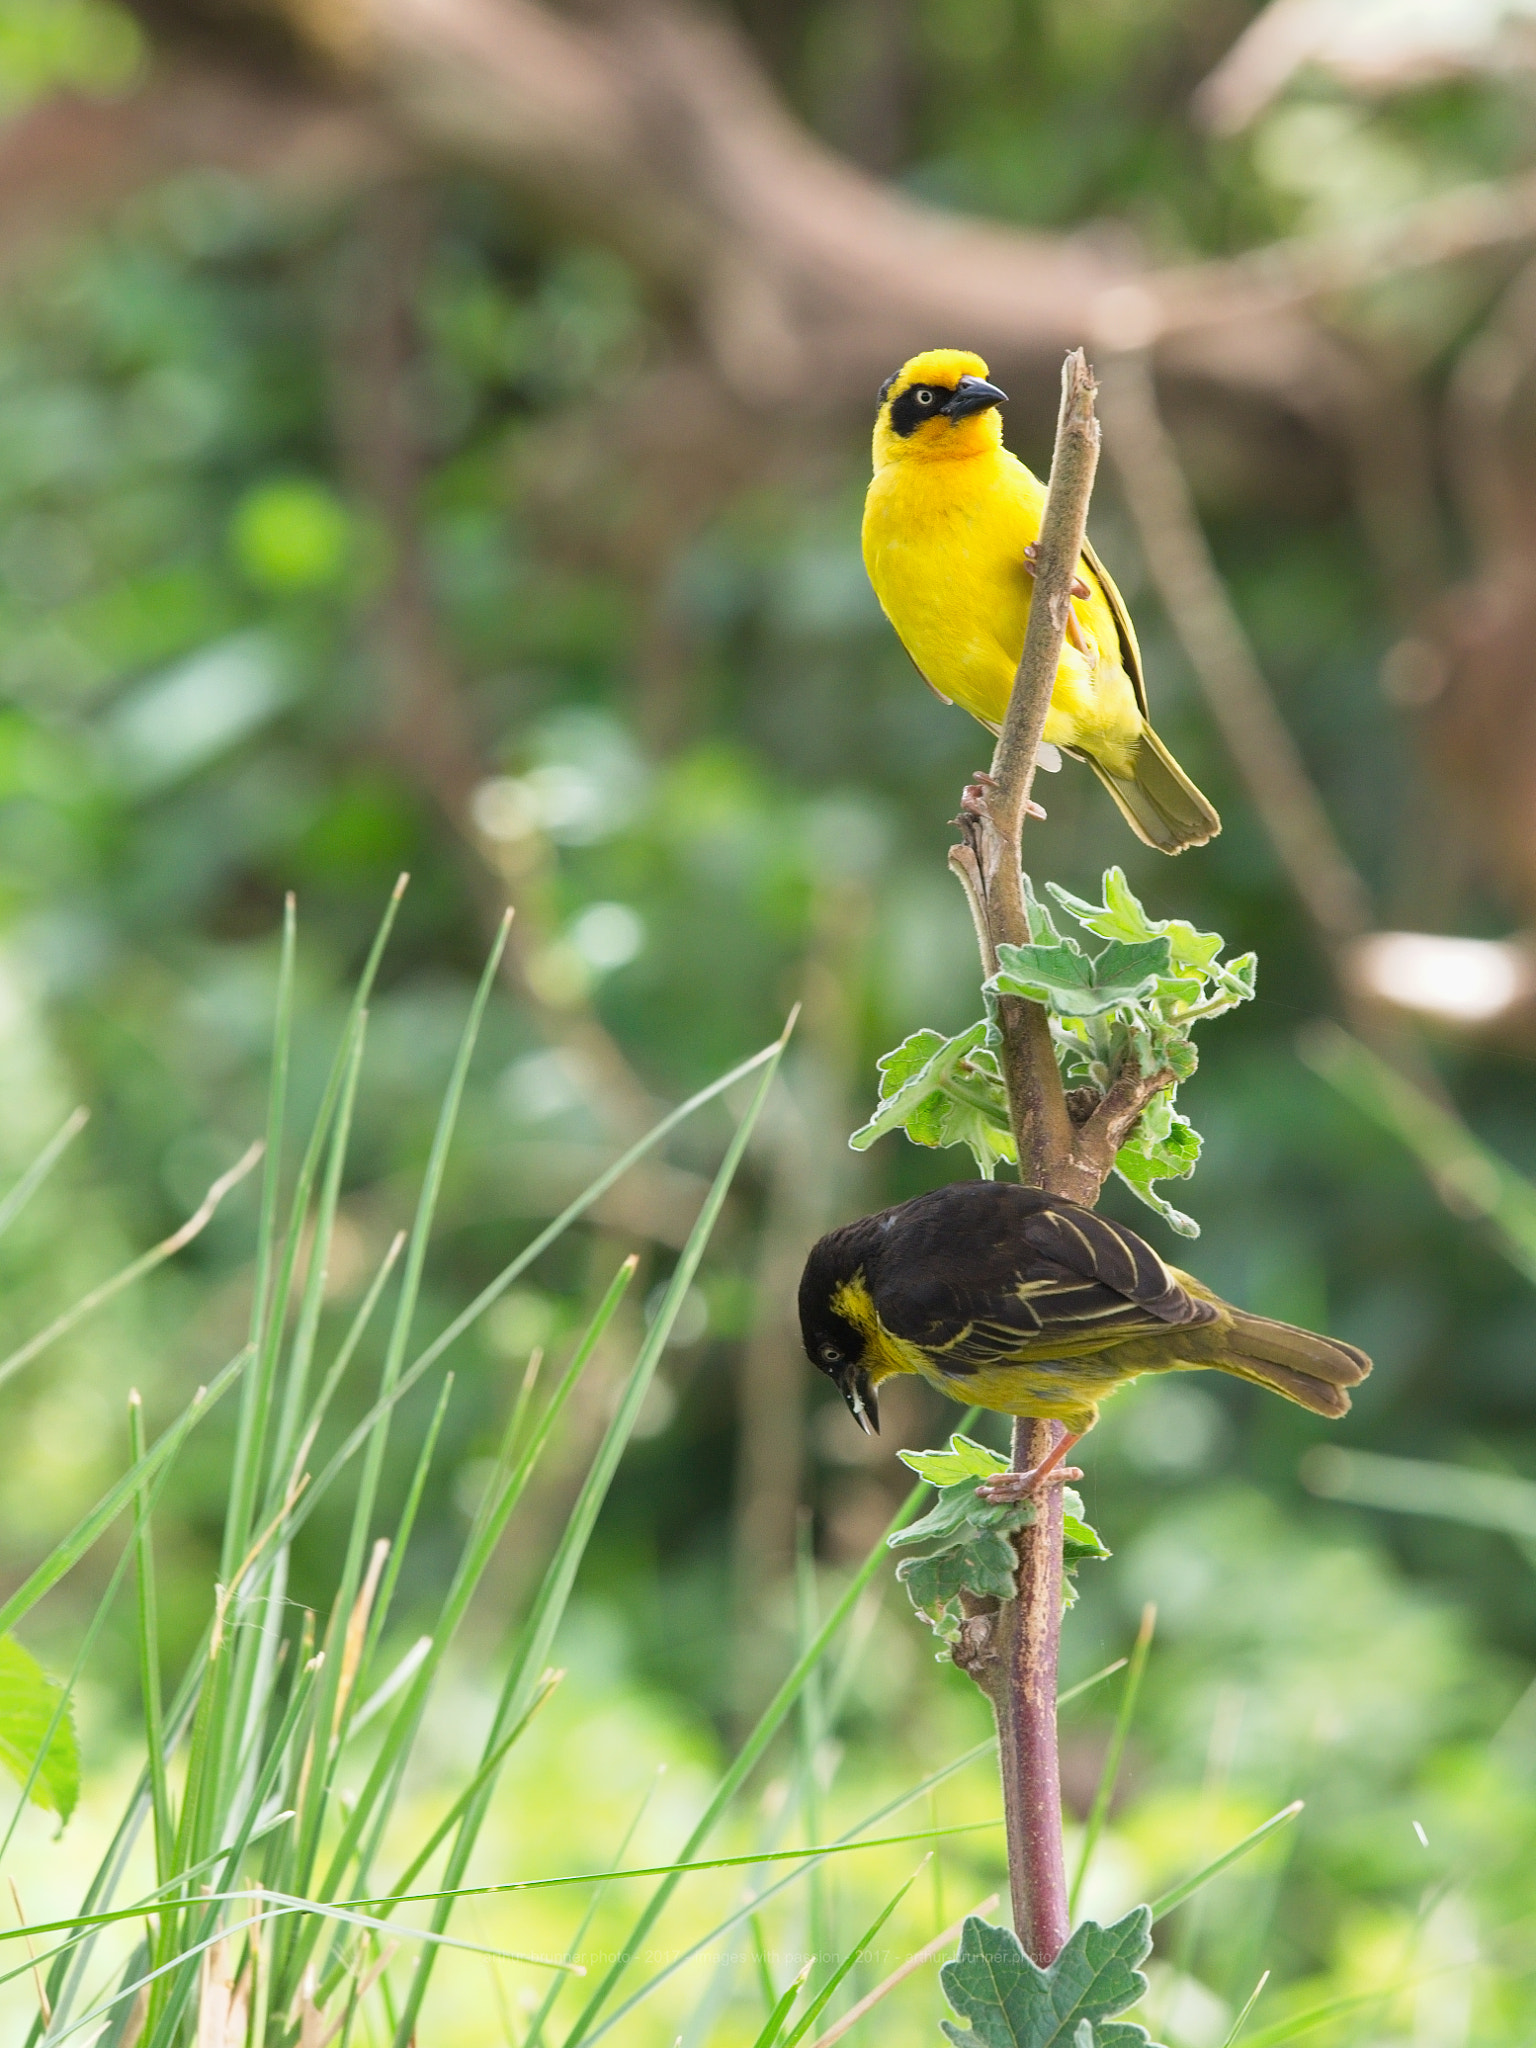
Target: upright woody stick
column 1020, row 1672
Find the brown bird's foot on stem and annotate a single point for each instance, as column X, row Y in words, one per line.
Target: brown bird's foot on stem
column 1010, row 1486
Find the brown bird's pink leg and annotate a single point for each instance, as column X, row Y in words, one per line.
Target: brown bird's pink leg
column 1006, row 1486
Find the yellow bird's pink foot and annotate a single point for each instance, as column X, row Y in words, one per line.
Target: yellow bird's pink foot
column 1079, row 587
column 974, row 796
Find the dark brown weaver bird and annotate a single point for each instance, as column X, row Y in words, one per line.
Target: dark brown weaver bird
column 1013, row 1299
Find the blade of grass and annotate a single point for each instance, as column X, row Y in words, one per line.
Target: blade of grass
column 255, row 1411
column 416, row 1246
column 149, row 1660
column 67, row 1553
column 403, row 1531
column 394, row 1684
column 926, row 1954
column 390, row 1900
column 773, row 2025
column 1319, row 2015
column 277, row 1109
column 1422, row 1486
column 301, row 1350
column 1242, row 2019
column 146, row 1262
column 1087, row 1684
column 549, row 1602
column 594, row 1192
column 344, row 1355
column 488, row 1769
column 812, row 1852
column 810, row 1733
column 1191, row 1885
column 1483, row 1183
column 1108, row 1777
column 828, row 1991
column 41, row 1167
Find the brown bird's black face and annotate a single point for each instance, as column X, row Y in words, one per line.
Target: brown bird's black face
column 834, row 1345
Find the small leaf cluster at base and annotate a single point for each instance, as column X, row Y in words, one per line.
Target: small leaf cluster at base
column 1013, row 2003
column 974, row 1555
column 1131, row 1007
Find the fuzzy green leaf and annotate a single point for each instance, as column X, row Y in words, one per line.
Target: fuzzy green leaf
column 931, row 1087
column 964, row 1459
column 1162, row 1146
column 974, row 1553
column 1070, row 984
column 29, row 1700
column 1012, row 2003
column 1121, row 916
column 984, row 1564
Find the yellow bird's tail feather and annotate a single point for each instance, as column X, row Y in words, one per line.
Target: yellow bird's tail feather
column 1157, row 800
column 1314, row 1371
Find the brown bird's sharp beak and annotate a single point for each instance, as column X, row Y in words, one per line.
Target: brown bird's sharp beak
column 973, row 394
column 858, row 1390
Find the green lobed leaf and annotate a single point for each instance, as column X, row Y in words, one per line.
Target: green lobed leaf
column 1070, row 984
column 1162, row 1146
column 943, row 1091
column 1121, row 916
column 29, row 1707
column 1012, row 2003
column 1130, row 1008
column 964, row 1459
column 974, row 1553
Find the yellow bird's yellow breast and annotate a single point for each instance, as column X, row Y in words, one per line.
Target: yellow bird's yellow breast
column 944, row 545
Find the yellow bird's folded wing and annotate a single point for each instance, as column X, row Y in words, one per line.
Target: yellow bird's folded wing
column 1130, row 647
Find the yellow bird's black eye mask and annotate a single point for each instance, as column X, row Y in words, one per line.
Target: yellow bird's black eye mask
column 921, row 402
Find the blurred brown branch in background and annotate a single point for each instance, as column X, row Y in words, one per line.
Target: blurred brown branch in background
column 653, row 129
column 380, row 400
column 1189, row 585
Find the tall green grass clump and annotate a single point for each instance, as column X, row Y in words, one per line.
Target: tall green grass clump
column 271, row 1918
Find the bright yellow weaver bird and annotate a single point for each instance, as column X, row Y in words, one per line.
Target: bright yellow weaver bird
column 1013, row 1299
column 950, row 524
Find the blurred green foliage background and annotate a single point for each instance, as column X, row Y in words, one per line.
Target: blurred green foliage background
column 261, row 451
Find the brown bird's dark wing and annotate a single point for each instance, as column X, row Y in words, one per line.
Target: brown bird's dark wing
column 976, row 1277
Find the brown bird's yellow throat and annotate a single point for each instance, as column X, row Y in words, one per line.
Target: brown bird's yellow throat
column 1013, row 1299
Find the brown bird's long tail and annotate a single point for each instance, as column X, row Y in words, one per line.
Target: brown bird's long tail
column 1314, row 1371
column 1158, row 801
